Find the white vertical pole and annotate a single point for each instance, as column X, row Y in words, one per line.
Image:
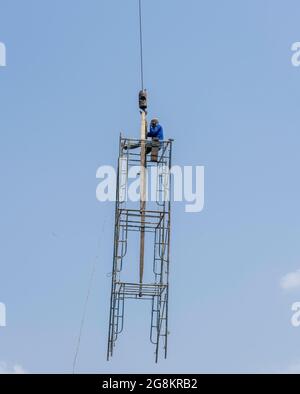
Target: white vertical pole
column 143, row 196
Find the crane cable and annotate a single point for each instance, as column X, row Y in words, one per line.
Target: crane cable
column 141, row 44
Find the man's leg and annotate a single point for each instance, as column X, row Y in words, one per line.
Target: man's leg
column 131, row 146
column 137, row 145
column 155, row 149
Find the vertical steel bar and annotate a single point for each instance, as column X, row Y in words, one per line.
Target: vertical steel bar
column 116, row 232
column 168, row 252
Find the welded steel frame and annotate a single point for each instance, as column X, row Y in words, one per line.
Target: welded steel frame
column 156, row 221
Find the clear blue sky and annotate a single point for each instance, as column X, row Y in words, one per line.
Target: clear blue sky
column 220, row 78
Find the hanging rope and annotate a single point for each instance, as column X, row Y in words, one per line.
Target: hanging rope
column 84, row 315
column 86, row 304
column 141, row 44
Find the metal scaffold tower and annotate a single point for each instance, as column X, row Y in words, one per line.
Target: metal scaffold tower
column 139, row 225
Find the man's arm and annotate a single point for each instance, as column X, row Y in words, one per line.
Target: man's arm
column 151, row 133
column 161, row 133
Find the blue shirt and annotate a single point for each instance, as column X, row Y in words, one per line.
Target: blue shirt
column 156, row 132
